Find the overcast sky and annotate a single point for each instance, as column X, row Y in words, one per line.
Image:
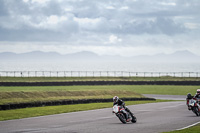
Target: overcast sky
column 112, row 27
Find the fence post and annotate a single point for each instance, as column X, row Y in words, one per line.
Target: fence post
column 97, row 73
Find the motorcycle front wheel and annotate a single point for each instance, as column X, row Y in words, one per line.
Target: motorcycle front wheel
column 196, row 111
column 122, row 118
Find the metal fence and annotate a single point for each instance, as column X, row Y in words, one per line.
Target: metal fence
column 95, row 74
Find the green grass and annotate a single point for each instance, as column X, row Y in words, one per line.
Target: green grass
column 42, row 93
column 35, row 96
column 49, row 110
column 49, row 93
column 62, row 79
column 46, row 93
column 145, row 89
column 194, row 129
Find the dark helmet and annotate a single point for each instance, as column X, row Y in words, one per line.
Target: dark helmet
column 189, row 96
column 115, row 99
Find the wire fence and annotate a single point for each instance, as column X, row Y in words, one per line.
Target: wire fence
column 95, row 74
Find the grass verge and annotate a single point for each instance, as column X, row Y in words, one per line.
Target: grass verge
column 50, row 110
column 63, row 79
column 194, row 129
column 38, row 96
column 51, row 93
column 142, row 89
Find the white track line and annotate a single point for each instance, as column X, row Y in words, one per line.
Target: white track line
column 189, row 126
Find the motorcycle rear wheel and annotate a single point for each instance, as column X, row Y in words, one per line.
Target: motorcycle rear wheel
column 134, row 119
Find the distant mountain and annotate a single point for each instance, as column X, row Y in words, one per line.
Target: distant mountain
column 35, row 55
column 179, row 56
column 40, row 55
column 82, row 55
column 47, row 56
column 183, row 54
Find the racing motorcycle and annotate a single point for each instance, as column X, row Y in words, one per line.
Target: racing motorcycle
column 122, row 114
column 192, row 105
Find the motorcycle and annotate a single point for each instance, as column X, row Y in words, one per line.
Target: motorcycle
column 192, row 105
column 122, row 114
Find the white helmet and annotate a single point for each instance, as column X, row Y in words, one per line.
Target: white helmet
column 115, row 99
column 198, row 91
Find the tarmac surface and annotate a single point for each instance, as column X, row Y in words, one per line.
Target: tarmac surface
column 151, row 118
column 166, row 97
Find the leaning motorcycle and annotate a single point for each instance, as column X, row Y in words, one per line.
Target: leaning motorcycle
column 192, row 105
column 122, row 114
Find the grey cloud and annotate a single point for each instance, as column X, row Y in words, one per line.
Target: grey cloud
column 26, row 32
column 28, row 21
column 51, row 8
column 167, row 26
column 16, row 7
column 33, row 35
column 3, row 10
column 159, row 26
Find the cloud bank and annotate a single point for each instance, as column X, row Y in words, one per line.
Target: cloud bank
column 125, row 27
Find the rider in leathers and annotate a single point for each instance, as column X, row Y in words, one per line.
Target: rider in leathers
column 197, row 96
column 117, row 101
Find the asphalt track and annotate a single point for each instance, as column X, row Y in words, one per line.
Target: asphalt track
column 152, row 118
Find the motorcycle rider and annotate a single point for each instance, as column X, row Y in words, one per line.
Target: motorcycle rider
column 189, row 96
column 117, row 101
column 197, row 96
